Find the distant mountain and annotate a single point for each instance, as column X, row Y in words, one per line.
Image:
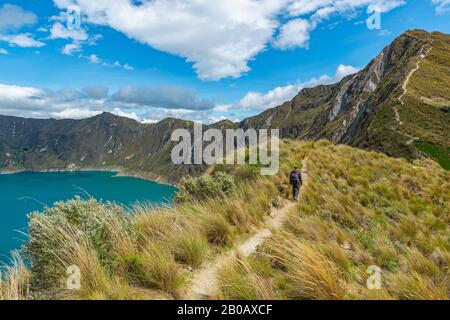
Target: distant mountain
column 399, row 104
column 105, row 141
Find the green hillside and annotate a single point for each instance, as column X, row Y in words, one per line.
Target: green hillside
column 356, row 210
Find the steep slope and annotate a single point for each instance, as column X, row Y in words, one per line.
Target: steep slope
column 361, row 211
column 397, row 104
column 358, row 210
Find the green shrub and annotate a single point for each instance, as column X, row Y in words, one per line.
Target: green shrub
column 55, row 236
column 218, row 185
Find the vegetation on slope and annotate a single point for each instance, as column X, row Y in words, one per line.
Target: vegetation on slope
column 143, row 254
column 359, row 209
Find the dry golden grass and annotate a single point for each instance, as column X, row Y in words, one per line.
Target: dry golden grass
column 244, row 279
column 359, row 209
column 309, row 274
column 15, row 280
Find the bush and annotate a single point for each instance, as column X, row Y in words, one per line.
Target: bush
column 75, row 232
column 218, row 185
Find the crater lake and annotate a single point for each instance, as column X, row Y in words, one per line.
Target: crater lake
column 25, row 192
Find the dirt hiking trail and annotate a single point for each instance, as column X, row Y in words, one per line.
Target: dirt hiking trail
column 205, row 284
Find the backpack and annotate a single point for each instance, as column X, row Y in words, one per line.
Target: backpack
column 295, row 178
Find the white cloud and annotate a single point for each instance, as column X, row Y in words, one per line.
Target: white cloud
column 343, row 71
column 3, row 51
column 293, row 34
column 24, row 40
column 324, row 8
column 31, row 101
column 261, row 101
column 131, row 115
column 74, row 113
column 272, row 98
column 117, row 64
column 93, row 58
column 442, row 6
column 59, row 31
column 14, row 17
column 218, row 37
column 26, row 98
column 92, row 100
column 71, row 48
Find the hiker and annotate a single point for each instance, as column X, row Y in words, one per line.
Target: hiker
column 296, row 182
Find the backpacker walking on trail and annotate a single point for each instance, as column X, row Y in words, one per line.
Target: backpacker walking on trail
column 296, row 182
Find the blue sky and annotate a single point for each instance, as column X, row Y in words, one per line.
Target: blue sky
column 203, row 60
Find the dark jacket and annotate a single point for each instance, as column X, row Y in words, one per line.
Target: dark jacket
column 296, row 178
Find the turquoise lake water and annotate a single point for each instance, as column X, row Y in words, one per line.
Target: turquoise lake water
column 25, row 192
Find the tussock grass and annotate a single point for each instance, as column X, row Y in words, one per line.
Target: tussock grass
column 359, row 209
column 414, row 286
column 190, row 248
column 242, row 279
column 309, row 273
column 15, row 280
column 158, row 269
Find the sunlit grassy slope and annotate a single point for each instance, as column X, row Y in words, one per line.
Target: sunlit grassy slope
column 359, row 209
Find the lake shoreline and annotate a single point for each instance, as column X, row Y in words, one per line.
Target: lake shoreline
column 120, row 172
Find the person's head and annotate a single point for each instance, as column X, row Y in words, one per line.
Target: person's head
column 295, row 168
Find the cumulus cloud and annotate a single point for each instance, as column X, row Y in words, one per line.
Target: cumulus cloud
column 14, row 17
column 43, row 103
column 24, row 40
column 343, row 71
column 59, row 31
column 143, row 104
column 146, row 104
column 74, row 113
column 170, row 97
column 218, row 37
column 12, row 96
column 3, row 51
column 272, row 98
column 293, row 34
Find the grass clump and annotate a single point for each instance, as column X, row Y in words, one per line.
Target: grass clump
column 157, row 268
column 242, row 279
column 309, row 274
column 217, row 185
column 191, row 248
column 15, row 280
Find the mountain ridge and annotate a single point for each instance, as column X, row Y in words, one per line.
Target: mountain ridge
column 395, row 105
